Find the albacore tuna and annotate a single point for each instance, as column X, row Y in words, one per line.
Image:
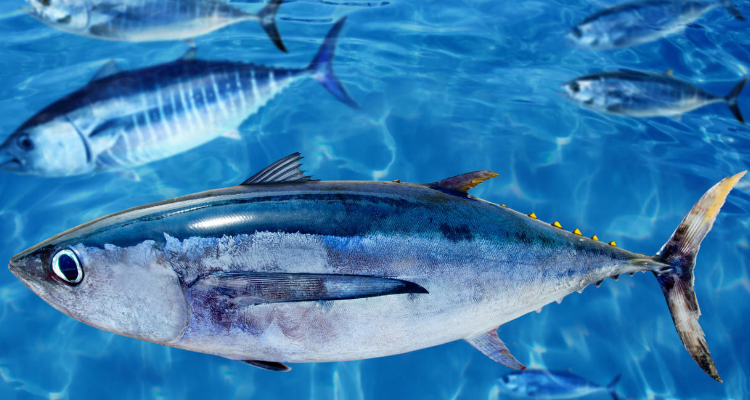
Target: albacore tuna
column 149, row 20
column 125, row 119
column 645, row 94
column 642, row 21
column 282, row 269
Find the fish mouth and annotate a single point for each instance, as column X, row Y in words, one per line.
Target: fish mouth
column 12, row 165
column 13, row 268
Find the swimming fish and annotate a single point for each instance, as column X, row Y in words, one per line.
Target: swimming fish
column 644, row 94
column 638, row 22
column 550, row 385
column 149, row 20
column 125, row 119
column 284, row 269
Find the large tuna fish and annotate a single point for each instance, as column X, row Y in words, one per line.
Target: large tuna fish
column 642, row 21
column 149, row 20
column 639, row 94
column 284, row 269
column 125, row 119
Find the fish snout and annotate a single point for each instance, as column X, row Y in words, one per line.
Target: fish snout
column 566, row 90
column 11, row 165
column 13, row 266
column 573, row 36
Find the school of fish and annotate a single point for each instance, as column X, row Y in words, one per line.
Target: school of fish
column 285, row 269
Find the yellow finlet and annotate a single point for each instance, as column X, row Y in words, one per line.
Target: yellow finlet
column 577, row 231
column 669, row 72
column 595, row 238
column 557, row 225
column 532, row 215
column 612, row 243
column 503, row 205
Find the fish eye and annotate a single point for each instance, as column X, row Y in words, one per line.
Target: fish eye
column 66, row 266
column 575, row 87
column 25, row 142
column 577, row 32
column 65, row 20
column 45, row 3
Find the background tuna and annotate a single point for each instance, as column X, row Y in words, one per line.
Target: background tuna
column 436, row 101
column 550, row 385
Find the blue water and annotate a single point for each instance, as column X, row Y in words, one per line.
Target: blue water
column 446, row 87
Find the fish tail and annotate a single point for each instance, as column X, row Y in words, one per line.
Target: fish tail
column 677, row 283
column 267, row 20
column 729, row 5
column 731, row 100
column 612, row 387
column 321, row 66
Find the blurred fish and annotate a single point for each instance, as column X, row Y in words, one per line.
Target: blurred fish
column 638, row 22
column 644, row 94
column 124, row 119
column 286, row 269
column 542, row 384
column 149, row 20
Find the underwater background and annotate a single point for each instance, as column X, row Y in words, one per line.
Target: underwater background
column 445, row 87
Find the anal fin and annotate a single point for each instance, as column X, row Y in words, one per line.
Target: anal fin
column 267, row 365
column 491, row 346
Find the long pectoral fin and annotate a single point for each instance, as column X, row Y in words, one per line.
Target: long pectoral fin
column 250, row 288
column 491, row 346
column 267, row 365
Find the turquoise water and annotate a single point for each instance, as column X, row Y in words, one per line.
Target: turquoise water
column 446, row 87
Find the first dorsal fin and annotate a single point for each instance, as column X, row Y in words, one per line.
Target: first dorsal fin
column 462, row 183
column 109, row 69
column 286, row 170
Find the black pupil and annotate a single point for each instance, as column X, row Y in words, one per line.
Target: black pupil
column 68, row 267
column 26, row 143
column 575, row 87
column 577, row 32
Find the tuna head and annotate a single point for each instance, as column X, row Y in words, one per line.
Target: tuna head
column 588, row 93
column 66, row 15
column 131, row 291
column 47, row 147
column 589, row 35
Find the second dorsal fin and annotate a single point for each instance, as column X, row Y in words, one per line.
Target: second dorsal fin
column 462, row 183
column 286, row 170
column 108, row 69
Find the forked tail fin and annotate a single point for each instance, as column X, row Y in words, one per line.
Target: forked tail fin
column 731, row 100
column 267, row 20
column 321, row 66
column 612, row 387
column 680, row 253
column 732, row 9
